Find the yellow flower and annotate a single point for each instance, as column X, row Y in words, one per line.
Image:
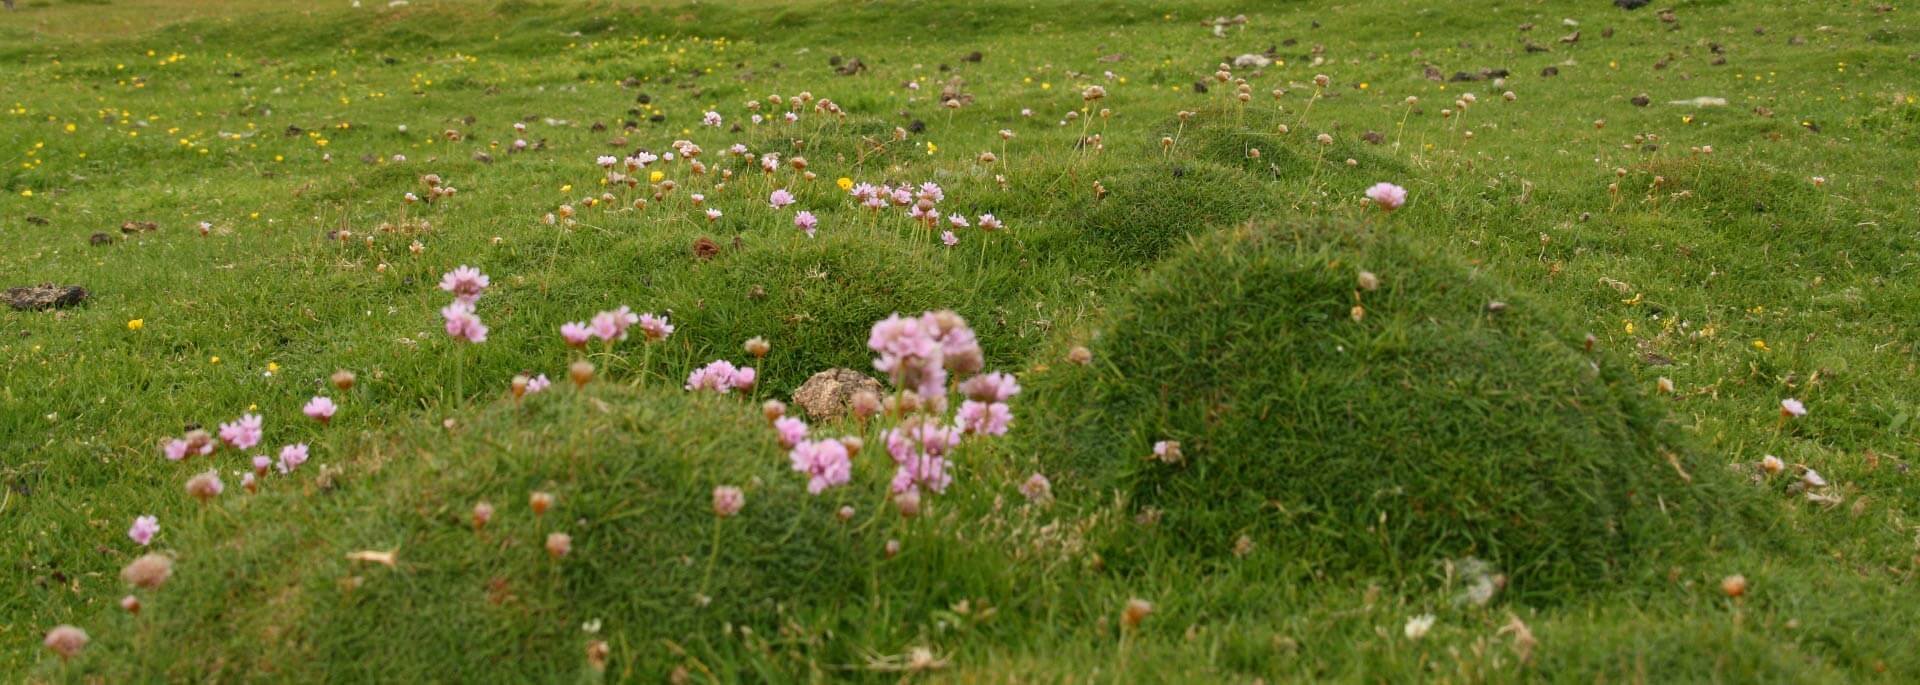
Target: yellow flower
column 845, row 183
column 568, row 188
column 136, row 324
column 273, row 366
column 656, row 177
column 1760, row 345
column 931, row 148
column 71, row 128
column 213, row 360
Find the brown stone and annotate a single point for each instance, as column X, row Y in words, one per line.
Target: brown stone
column 828, row 394
column 45, row 296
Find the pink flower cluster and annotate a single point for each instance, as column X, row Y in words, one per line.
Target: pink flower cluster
column 916, row 353
column 467, row 284
column 721, row 376
column 985, row 412
column 243, row 433
column 825, row 462
column 610, row 326
column 919, row 448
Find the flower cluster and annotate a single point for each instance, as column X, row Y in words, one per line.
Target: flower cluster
column 721, row 376
column 467, row 284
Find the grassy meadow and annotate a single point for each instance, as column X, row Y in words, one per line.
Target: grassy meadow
column 1625, row 391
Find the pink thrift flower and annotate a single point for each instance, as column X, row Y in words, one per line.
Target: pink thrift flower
column 539, row 383
column 989, row 222
column 1791, row 408
column 728, row 500
column 244, row 433
column 805, row 221
column 957, row 221
column 576, row 334
column 984, row 418
column 1037, row 489
column 175, row 449
column 260, row 463
column 1389, row 196
column 949, row 239
column 997, row 386
column 720, row 376
column 825, row 462
column 743, row 378
column 655, row 328
column 713, row 215
column 292, row 456
column 466, row 283
column 462, row 324
column 780, row 198
column 711, row 119
column 320, row 409
column 143, row 530
column 791, row 430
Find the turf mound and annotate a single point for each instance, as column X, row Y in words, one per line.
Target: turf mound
column 300, row 573
column 1438, row 425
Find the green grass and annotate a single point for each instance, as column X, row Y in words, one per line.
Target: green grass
column 1729, row 272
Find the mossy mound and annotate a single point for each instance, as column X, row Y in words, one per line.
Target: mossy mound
column 1432, row 428
column 631, row 473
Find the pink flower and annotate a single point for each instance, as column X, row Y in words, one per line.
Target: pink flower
column 206, row 486
column 655, row 328
column 292, row 456
column 576, row 334
column 825, row 462
column 919, row 448
column 1037, row 489
column 991, row 387
column 244, row 433
column 805, row 221
column 260, row 464
column 1389, row 196
column 1790, row 408
column 711, row 119
column 932, row 191
column 780, row 198
column 727, row 501
column 143, row 530
column 1167, row 451
column 320, row 409
column 720, row 376
column 462, row 324
column 612, row 325
column 957, row 221
column 989, row 222
column 949, row 239
column 791, row 430
column 983, row 418
column 713, row 215
column 909, row 352
column 175, row 449
column 466, row 283
column 538, row 384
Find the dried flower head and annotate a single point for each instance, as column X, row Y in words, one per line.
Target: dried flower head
column 148, row 571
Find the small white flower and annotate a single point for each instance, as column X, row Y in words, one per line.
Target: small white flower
column 1418, row 626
